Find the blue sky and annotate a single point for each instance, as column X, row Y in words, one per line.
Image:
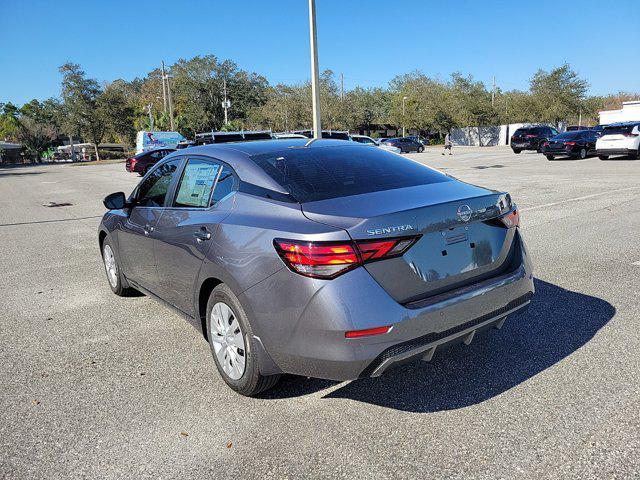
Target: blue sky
column 368, row 41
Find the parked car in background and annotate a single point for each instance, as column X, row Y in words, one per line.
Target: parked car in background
column 370, row 141
column 573, row 128
column 573, row 144
column 417, row 138
column 142, row 162
column 405, row 144
column 325, row 259
column 619, row 139
column 531, row 138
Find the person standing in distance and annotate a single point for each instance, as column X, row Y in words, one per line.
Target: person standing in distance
column 447, row 143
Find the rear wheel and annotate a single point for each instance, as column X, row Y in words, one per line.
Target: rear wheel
column 539, row 149
column 635, row 156
column 516, row 151
column 583, row 153
column 232, row 344
column 420, row 149
column 550, row 157
column 603, row 157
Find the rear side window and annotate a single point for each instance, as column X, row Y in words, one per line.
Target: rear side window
column 154, row 188
column 224, row 185
column 312, row 174
column 196, row 183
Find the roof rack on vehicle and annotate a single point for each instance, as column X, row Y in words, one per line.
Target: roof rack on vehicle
column 335, row 134
column 225, row 137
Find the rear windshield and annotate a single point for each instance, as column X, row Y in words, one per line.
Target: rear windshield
column 617, row 129
column 312, row 174
column 568, row 135
column 527, row 131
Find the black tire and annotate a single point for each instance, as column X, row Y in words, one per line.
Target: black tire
column 583, row 153
column 516, row 151
column 252, row 382
column 603, row 157
column 539, row 149
column 635, row 156
column 117, row 282
column 420, row 149
column 550, row 157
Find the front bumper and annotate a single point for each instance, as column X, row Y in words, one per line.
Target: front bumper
column 300, row 322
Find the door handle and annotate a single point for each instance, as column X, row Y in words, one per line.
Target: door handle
column 148, row 229
column 202, row 234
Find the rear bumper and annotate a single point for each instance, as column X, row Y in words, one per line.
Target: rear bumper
column 616, row 151
column 306, row 334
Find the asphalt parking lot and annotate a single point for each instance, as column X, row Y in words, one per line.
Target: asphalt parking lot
column 97, row 386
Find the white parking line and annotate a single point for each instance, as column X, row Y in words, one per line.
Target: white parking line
column 577, row 199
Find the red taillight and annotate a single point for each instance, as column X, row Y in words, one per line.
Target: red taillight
column 367, row 332
column 530, row 136
column 512, row 219
column 570, row 143
column 330, row 259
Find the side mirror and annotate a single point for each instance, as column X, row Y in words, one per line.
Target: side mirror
column 115, row 201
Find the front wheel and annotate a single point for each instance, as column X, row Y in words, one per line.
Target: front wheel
column 550, row 157
column 232, row 344
column 516, row 151
column 117, row 282
column 603, row 157
column 420, row 149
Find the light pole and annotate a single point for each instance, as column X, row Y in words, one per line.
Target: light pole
column 315, row 79
column 404, row 99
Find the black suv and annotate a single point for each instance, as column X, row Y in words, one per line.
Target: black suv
column 531, row 138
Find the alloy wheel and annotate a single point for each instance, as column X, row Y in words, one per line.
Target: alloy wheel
column 583, row 153
column 110, row 265
column 228, row 341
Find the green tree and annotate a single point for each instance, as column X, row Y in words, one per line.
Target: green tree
column 9, row 124
column 83, row 115
column 37, row 127
column 558, row 94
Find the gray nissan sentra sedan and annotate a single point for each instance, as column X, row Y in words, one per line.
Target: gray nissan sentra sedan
column 322, row 258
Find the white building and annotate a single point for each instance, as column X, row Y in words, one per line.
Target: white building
column 630, row 112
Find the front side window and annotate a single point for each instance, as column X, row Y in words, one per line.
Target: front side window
column 153, row 189
column 196, row 183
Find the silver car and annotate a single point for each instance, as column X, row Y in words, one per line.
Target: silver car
column 321, row 258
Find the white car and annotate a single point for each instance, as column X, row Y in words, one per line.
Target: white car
column 370, row 141
column 619, row 139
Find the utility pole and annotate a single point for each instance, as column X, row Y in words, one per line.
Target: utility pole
column 149, row 107
column 403, row 120
column 164, row 90
column 315, row 79
column 493, row 91
column 341, row 87
column 170, row 102
column 225, row 103
column 580, row 118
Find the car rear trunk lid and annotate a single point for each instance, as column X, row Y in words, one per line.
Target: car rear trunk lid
column 453, row 250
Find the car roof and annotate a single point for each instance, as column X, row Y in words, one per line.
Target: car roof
column 238, row 155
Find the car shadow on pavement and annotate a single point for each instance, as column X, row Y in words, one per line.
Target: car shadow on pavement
column 557, row 323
